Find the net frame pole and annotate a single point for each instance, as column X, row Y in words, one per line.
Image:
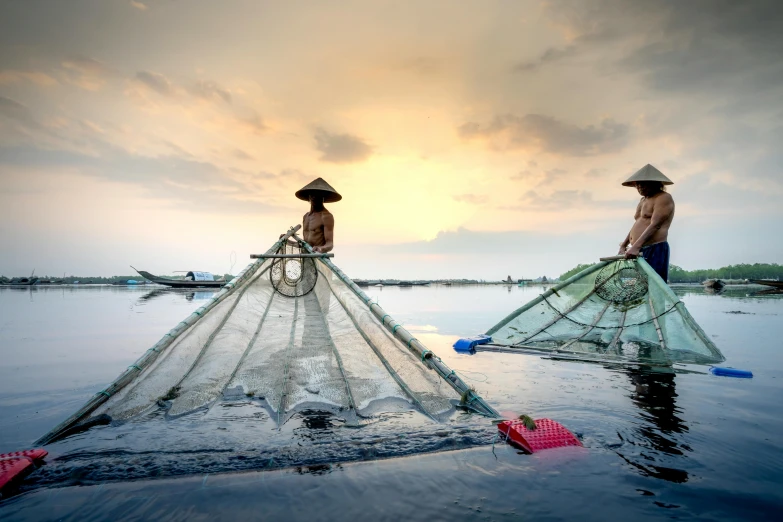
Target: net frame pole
column 576, row 277
column 152, row 354
column 473, row 400
column 617, row 335
column 592, row 327
column 684, row 313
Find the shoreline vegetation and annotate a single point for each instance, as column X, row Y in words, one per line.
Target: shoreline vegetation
column 96, row 280
column 732, row 273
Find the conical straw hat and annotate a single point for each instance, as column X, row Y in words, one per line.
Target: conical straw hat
column 648, row 173
column 321, row 187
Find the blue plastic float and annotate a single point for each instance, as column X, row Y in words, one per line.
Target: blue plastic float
column 468, row 344
column 731, row 372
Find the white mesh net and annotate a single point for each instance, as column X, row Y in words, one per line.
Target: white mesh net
column 317, row 347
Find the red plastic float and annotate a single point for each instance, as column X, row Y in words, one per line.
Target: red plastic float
column 14, row 464
column 548, row 434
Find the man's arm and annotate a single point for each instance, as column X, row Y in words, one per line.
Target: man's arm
column 627, row 239
column 328, row 221
column 662, row 213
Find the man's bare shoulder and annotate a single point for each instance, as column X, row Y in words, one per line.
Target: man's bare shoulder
column 664, row 197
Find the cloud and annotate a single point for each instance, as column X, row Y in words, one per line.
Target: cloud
column 209, row 90
column 550, row 56
column 596, row 173
column 540, row 178
column 558, row 200
column 421, row 66
column 254, row 123
column 341, row 148
column 87, row 73
column 138, row 5
column 241, row 154
column 728, row 49
column 536, row 131
column 38, row 78
column 186, row 182
column 157, row 82
column 15, row 110
column 473, row 199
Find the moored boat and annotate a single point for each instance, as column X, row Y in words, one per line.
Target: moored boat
column 192, row 280
column 768, row 282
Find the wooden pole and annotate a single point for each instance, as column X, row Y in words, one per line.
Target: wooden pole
column 151, row 355
column 287, row 256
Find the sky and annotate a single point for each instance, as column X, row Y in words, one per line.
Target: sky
column 468, row 139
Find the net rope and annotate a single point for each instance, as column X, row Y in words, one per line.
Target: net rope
column 641, row 323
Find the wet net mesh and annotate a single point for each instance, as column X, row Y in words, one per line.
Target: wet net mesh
column 293, row 336
column 620, row 310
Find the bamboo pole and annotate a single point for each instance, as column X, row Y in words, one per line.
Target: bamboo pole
column 288, row 256
column 653, row 275
column 152, row 354
column 592, row 327
column 427, row 356
column 513, row 315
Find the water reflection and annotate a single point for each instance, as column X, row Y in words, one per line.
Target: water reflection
column 654, row 392
column 188, row 295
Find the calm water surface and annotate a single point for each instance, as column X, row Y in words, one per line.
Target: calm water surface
column 658, row 444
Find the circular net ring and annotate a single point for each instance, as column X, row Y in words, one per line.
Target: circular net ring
column 293, row 277
column 622, row 283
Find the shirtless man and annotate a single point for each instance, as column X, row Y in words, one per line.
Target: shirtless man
column 318, row 224
column 654, row 214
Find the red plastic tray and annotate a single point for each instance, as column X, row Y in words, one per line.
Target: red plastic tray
column 12, row 467
column 15, row 463
column 33, row 454
column 548, row 434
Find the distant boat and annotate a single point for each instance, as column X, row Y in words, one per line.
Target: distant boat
column 192, row 280
column 768, row 282
column 715, row 284
column 22, row 281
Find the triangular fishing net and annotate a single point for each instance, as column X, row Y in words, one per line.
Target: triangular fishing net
column 288, row 334
column 615, row 310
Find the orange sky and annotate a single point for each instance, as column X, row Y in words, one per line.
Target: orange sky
column 477, row 139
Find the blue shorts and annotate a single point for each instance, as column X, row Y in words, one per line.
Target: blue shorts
column 657, row 256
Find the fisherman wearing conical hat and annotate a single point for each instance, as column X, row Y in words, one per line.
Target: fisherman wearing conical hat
column 649, row 234
column 318, row 224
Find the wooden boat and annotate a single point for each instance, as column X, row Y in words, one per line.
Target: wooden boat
column 716, row 284
column 22, row 281
column 181, row 283
column 768, row 282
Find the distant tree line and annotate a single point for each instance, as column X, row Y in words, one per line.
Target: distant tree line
column 741, row 271
column 680, row 275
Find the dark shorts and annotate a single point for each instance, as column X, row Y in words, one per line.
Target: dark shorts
column 657, row 256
